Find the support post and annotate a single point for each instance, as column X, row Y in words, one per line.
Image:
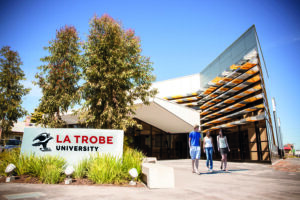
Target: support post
column 274, row 113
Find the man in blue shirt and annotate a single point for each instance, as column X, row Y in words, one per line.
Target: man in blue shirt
column 195, row 150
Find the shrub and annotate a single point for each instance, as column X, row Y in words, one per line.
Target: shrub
column 105, row 169
column 22, row 164
column 51, row 174
column 35, row 165
column 81, row 169
column 7, row 157
column 101, row 169
column 132, row 159
column 108, row 169
column 47, row 168
column 52, row 169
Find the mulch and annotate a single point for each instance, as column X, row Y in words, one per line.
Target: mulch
column 83, row 181
column 22, row 179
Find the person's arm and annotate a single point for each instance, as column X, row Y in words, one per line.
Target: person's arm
column 189, row 142
column 218, row 143
column 203, row 145
column 227, row 143
column 200, row 140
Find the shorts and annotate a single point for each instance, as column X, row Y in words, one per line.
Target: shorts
column 224, row 151
column 195, row 152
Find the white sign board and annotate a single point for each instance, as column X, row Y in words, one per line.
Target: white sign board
column 73, row 144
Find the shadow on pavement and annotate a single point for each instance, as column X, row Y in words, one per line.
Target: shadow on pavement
column 238, row 170
column 224, row 172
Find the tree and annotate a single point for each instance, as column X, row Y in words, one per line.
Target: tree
column 59, row 78
column 11, row 90
column 116, row 75
column 36, row 116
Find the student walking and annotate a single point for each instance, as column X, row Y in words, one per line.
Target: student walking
column 208, row 149
column 195, row 151
column 223, row 148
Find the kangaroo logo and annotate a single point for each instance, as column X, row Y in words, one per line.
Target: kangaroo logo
column 42, row 139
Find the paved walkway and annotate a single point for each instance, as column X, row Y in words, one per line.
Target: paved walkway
column 243, row 181
column 288, row 165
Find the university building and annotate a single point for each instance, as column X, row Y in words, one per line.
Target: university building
column 231, row 93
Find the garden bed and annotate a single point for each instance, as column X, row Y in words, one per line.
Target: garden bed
column 96, row 170
column 82, row 181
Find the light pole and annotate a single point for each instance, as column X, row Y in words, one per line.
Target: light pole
column 280, row 134
column 274, row 113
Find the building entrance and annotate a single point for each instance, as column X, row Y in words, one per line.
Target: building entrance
column 247, row 142
column 157, row 143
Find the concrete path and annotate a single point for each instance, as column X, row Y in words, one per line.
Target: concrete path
column 243, row 181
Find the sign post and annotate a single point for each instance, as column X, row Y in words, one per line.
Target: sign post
column 73, row 144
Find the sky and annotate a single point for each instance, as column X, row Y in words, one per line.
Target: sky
column 180, row 37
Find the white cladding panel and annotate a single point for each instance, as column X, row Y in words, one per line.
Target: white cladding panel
column 187, row 115
column 167, row 116
column 178, row 86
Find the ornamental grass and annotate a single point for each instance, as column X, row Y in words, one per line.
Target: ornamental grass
column 99, row 168
column 48, row 169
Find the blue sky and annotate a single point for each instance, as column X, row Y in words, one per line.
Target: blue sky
column 180, row 37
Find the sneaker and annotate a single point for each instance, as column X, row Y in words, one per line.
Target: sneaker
column 197, row 172
column 210, row 170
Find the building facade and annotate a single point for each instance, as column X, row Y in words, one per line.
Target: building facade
column 231, row 94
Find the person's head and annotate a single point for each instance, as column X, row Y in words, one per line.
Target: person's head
column 208, row 134
column 221, row 132
column 196, row 127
